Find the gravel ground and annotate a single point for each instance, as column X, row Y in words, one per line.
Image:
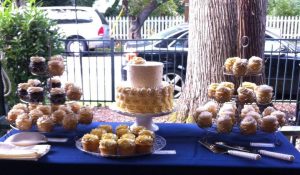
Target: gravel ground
column 104, row 114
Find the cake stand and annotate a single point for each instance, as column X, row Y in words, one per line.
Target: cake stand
column 145, row 120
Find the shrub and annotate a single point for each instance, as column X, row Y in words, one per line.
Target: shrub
column 25, row 32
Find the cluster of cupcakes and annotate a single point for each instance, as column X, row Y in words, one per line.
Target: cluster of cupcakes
column 45, row 117
column 221, row 92
column 124, row 142
column 241, row 67
column 54, row 67
column 249, row 119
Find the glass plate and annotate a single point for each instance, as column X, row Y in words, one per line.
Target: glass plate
column 159, row 143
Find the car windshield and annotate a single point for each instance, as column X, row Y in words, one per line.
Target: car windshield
column 166, row 33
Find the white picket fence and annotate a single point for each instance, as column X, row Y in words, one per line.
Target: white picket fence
column 289, row 27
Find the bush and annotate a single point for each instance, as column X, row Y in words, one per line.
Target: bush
column 25, row 32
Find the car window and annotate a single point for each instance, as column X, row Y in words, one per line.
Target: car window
column 165, row 42
column 65, row 16
column 182, row 42
column 103, row 20
column 166, row 33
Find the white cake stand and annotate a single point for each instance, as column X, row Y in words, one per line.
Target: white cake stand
column 142, row 119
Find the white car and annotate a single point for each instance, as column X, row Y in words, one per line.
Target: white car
column 84, row 28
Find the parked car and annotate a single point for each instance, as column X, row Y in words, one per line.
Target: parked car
column 84, row 28
column 171, row 47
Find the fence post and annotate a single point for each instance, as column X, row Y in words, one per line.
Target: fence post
column 112, row 55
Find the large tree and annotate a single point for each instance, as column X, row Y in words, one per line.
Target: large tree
column 216, row 27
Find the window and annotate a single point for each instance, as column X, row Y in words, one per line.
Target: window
column 68, row 16
column 165, row 42
column 182, row 42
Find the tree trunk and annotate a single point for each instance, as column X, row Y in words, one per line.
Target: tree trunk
column 136, row 23
column 252, row 24
column 212, row 32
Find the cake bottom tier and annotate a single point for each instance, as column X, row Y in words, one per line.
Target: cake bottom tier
column 145, row 100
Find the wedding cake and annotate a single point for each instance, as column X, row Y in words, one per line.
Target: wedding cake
column 144, row 91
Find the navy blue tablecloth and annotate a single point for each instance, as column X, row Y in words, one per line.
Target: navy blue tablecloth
column 191, row 157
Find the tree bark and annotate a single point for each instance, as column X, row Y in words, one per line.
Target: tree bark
column 252, row 24
column 137, row 22
column 212, row 32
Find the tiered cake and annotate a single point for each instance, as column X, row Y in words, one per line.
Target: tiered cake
column 144, row 91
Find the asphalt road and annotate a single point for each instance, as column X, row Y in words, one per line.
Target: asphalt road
column 94, row 75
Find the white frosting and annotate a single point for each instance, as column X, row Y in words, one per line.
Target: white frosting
column 147, row 75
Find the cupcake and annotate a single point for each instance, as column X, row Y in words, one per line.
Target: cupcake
column 34, row 115
column 255, row 65
column 54, row 107
column 256, row 116
column 223, row 94
column 280, row 117
column 107, row 128
column 56, row 67
column 204, row 119
column 85, row 115
column 69, row 122
column 245, row 110
column 74, row 93
column 147, row 132
column 239, row 67
column 136, row 129
column 46, row 109
column 231, row 114
column 264, row 94
column 13, row 114
column 57, row 96
column 122, row 127
column 245, row 95
column 227, row 84
column 23, row 122
column 129, row 136
column 98, row 132
column 248, row 125
column 68, row 85
column 74, row 106
column 21, row 106
column 126, row 147
column 54, row 83
column 90, row 142
column 212, row 107
column 57, row 57
column 269, row 124
column 32, row 106
column 229, row 63
column 108, row 147
column 38, row 65
column 144, row 144
column 109, row 136
column 228, row 107
column 22, row 91
column 36, row 94
column 249, row 85
column 224, row 124
column 65, row 108
column 121, row 132
column 268, row 110
column 58, row 116
column 212, row 90
column 45, row 124
column 34, row 83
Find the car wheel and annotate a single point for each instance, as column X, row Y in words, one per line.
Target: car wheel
column 176, row 80
column 76, row 48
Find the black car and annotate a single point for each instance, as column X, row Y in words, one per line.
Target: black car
column 171, row 47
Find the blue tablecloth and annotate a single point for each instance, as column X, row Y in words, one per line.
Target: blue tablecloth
column 191, row 157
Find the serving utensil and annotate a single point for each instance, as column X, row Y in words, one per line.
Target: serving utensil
column 272, row 154
column 31, row 138
column 215, row 149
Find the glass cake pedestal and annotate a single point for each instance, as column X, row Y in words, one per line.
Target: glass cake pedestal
column 145, row 119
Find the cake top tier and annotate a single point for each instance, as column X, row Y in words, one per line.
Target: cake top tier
column 145, row 75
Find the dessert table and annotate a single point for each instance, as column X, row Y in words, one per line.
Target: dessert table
column 190, row 157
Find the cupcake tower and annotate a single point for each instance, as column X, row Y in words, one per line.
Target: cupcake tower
column 239, row 106
column 55, row 112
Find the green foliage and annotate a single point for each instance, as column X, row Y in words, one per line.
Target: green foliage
column 114, row 10
column 284, row 7
column 54, row 2
column 88, row 3
column 25, row 32
column 167, row 9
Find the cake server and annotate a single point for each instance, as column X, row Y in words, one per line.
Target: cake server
column 31, row 138
column 272, row 154
column 215, row 149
